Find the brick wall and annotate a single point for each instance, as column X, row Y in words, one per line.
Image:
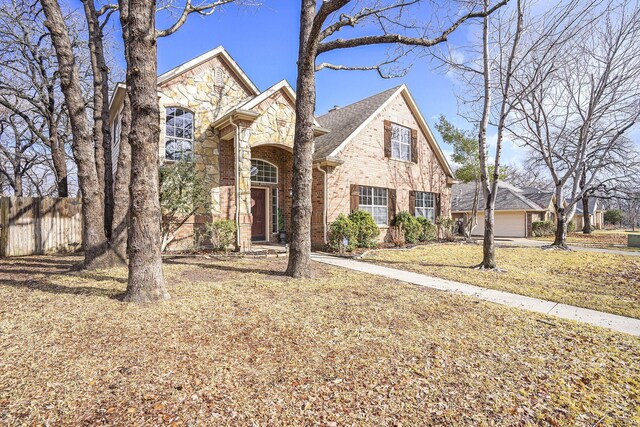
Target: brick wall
column 365, row 164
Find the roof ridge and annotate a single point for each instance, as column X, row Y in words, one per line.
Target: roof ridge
column 392, row 90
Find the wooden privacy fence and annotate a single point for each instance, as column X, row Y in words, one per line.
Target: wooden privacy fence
column 39, row 225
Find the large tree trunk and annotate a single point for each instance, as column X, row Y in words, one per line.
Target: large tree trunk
column 120, row 225
column 101, row 129
column 58, row 153
column 300, row 249
column 561, row 229
column 146, row 280
column 586, row 215
column 17, row 183
column 59, row 160
column 94, row 240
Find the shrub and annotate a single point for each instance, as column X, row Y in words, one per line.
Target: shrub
column 542, row 228
column 428, row 231
column 613, row 216
column 366, row 229
column 410, row 225
column 339, row 230
column 445, row 227
column 221, row 233
column 571, row 227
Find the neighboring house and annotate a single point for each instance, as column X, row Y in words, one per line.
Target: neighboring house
column 596, row 214
column 377, row 154
column 515, row 211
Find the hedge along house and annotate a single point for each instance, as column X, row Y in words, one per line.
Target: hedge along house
column 377, row 154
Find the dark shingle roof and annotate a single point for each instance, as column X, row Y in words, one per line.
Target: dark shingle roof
column 541, row 197
column 508, row 198
column 344, row 121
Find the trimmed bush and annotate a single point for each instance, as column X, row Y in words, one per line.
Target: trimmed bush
column 221, row 233
column 366, row 229
column 571, row 227
column 410, row 225
column 543, row 228
column 339, row 230
column 428, row 231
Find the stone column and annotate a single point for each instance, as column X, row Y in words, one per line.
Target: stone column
column 244, row 185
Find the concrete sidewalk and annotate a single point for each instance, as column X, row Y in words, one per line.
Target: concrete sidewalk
column 612, row 321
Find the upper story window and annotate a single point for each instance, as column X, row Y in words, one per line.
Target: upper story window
column 178, row 134
column 263, row 172
column 400, row 142
column 375, row 201
column 426, row 205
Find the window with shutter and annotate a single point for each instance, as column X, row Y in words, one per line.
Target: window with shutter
column 375, row 201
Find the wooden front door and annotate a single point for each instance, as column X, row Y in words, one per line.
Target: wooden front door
column 259, row 213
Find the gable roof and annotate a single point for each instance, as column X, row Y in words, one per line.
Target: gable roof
column 218, row 51
column 347, row 122
column 541, row 197
column 509, row 198
column 342, row 122
column 593, row 201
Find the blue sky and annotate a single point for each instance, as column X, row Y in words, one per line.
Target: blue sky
column 264, row 42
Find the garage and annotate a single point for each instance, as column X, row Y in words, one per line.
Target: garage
column 507, row 224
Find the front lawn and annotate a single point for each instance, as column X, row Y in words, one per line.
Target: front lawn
column 598, row 281
column 240, row 344
column 604, row 239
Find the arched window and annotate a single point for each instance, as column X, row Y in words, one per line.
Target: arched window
column 178, row 134
column 263, row 172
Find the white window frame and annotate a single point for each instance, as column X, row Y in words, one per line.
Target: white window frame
column 256, row 181
column 400, row 142
column 369, row 200
column 185, row 143
column 425, row 205
column 274, row 206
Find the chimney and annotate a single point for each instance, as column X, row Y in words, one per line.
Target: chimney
column 335, row 107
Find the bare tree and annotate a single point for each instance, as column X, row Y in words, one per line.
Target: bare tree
column 29, row 81
column 17, row 152
column 320, row 24
column 94, row 238
column 583, row 104
column 146, row 280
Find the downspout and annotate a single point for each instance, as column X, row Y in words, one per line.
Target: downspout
column 324, row 205
column 236, row 149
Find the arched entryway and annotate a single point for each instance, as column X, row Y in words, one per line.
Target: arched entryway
column 271, row 169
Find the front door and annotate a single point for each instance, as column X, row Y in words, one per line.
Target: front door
column 259, row 213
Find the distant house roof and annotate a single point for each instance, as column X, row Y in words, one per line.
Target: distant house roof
column 342, row 122
column 593, row 201
column 539, row 196
column 509, row 198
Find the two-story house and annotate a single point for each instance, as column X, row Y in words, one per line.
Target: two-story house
column 377, row 154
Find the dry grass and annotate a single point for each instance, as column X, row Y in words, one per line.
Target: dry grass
column 240, row 344
column 604, row 239
column 599, row 281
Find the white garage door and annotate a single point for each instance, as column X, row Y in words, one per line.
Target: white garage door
column 508, row 224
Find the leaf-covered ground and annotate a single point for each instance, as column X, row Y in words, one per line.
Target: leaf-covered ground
column 605, row 239
column 240, row 344
column 599, row 281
